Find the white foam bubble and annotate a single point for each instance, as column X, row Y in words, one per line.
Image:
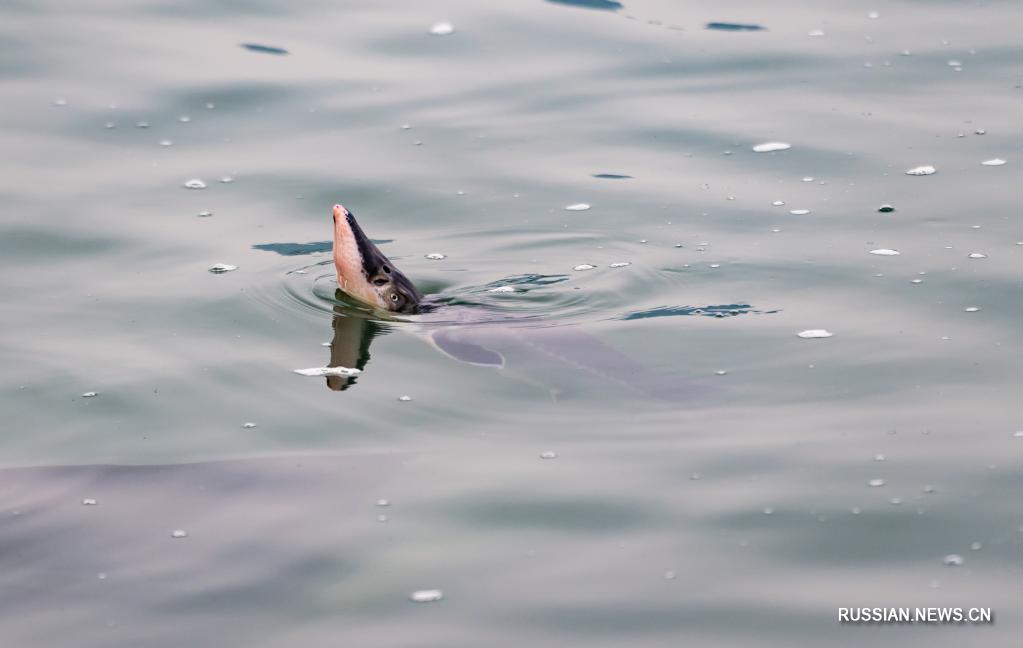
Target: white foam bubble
column 812, row 334
column 328, row 371
column 770, row 147
column 426, row 596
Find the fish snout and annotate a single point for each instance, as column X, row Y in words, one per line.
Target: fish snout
column 339, row 210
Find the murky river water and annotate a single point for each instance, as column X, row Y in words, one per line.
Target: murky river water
column 647, row 454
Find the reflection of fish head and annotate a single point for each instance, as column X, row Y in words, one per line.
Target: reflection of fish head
column 365, row 273
column 350, row 346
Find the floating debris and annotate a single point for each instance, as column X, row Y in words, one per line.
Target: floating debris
column 886, row 209
column 577, row 207
column 977, row 255
column 885, row 252
column 205, row 214
column 327, row 371
column 426, row 596
column 980, row 131
column 548, row 454
column 91, row 394
column 195, row 183
column 972, row 309
column 248, row 426
column 799, row 212
column 921, row 170
column 770, row 147
column 953, row 560
column 88, row 501
column 179, row 533
column 814, row 334
column 265, row 49
column 405, row 398
column 442, row 29
column 620, row 264
column 994, row 162
column 778, row 203
column 875, row 483
column 221, row 268
column 227, row 179
column 436, row 256
column 584, row 266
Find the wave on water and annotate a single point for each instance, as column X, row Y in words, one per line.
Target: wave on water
column 718, row 311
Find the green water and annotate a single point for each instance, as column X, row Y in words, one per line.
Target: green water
column 710, row 484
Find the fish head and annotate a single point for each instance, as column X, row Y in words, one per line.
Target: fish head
column 365, row 273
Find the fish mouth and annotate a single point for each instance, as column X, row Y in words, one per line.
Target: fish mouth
column 350, row 227
column 370, row 258
column 351, row 259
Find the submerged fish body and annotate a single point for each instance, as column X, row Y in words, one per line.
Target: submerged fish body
column 565, row 359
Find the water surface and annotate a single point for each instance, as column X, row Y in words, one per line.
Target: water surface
column 710, row 483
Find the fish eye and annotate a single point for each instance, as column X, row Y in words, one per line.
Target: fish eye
column 394, row 297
